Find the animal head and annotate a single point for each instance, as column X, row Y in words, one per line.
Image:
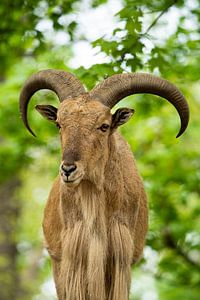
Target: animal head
column 85, row 120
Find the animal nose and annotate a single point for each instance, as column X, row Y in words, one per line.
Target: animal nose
column 68, row 169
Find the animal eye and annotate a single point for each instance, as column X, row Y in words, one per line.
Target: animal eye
column 58, row 125
column 104, row 127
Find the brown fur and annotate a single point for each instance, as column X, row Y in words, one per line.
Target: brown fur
column 94, row 229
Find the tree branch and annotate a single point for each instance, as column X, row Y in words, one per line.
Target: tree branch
column 171, row 243
column 159, row 16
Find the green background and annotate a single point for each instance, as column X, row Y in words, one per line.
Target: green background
column 170, row 167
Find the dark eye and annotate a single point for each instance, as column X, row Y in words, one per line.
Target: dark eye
column 104, row 127
column 58, row 125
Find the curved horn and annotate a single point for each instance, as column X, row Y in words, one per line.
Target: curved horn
column 64, row 84
column 119, row 86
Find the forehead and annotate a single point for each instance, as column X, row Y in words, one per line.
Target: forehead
column 80, row 107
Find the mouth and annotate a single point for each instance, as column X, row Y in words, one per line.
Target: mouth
column 69, row 182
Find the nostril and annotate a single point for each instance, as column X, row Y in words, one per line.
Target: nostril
column 68, row 169
column 71, row 168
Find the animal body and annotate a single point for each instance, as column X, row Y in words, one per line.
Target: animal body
column 95, row 220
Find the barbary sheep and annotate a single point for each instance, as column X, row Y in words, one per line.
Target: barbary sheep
column 95, row 220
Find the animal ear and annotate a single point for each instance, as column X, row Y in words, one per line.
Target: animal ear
column 47, row 111
column 121, row 116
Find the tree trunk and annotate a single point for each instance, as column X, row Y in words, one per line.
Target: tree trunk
column 9, row 215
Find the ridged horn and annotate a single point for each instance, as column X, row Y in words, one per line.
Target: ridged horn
column 119, row 86
column 64, row 84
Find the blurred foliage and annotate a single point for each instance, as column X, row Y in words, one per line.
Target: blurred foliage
column 21, row 33
column 170, row 268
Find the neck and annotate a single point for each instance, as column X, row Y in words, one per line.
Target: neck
column 85, row 202
column 84, row 240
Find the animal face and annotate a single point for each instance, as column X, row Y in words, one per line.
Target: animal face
column 85, row 127
column 85, row 121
